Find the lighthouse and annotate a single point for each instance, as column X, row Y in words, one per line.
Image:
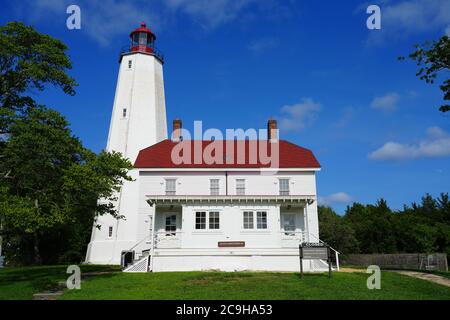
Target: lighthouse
column 139, row 113
column 138, row 121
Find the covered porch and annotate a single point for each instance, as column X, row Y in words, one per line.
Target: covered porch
column 277, row 222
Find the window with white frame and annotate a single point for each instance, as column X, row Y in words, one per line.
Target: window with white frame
column 110, row 232
column 124, row 112
column 248, row 219
column 207, row 220
column 170, row 187
column 214, row 187
column 130, row 64
column 261, row 220
column 200, row 220
column 284, row 187
column 214, row 220
column 240, row 187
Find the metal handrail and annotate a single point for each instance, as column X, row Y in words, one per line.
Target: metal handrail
column 336, row 253
column 155, row 51
column 139, row 242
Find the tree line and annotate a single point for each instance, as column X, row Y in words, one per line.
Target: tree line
column 375, row 228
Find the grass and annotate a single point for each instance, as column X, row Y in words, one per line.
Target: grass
column 22, row 283
column 254, row 286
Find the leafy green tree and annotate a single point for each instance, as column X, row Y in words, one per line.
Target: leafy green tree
column 433, row 59
column 373, row 226
column 54, row 181
column 49, row 183
column 336, row 232
column 29, row 60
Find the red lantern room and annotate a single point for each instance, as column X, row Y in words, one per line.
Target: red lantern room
column 142, row 39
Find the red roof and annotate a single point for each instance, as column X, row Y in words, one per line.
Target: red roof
column 290, row 155
column 143, row 28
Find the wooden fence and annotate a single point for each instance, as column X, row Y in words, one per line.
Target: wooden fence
column 411, row 261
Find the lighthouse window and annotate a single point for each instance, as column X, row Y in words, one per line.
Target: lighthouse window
column 110, row 232
column 124, row 112
column 130, row 63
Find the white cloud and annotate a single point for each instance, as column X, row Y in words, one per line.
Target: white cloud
column 403, row 18
column 345, row 118
column 435, row 144
column 262, row 44
column 104, row 20
column 339, row 197
column 388, row 102
column 298, row 116
column 210, row 13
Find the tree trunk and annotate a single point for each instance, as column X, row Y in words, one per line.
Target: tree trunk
column 37, row 253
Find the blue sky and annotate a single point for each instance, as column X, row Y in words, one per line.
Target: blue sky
column 335, row 86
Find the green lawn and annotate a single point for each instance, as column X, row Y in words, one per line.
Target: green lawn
column 218, row 285
column 21, row 283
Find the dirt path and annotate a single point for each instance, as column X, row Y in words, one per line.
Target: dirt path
column 345, row 269
column 426, row 276
column 419, row 275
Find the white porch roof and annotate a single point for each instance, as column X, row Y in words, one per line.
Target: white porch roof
column 181, row 199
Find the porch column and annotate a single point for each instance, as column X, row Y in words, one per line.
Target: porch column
column 153, row 235
column 306, row 218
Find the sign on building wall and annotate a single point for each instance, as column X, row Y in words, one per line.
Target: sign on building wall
column 231, row 244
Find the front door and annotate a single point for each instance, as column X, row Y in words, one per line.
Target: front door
column 291, row 235
column 171, row 224
column 288, row 226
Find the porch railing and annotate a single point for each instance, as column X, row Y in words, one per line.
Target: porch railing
column 167, row 239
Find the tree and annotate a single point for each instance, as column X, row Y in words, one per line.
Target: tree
column 49, row 183
column 434, row 59
column 373, row 226
column 336, row 232
column 28, row 61
column 54, row 181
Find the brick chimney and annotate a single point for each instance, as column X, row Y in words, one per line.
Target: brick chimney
column 176, row 132
column 272, row 130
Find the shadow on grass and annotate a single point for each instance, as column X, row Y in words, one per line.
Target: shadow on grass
column 41, row 278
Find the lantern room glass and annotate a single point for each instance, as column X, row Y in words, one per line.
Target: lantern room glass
column 142, row 39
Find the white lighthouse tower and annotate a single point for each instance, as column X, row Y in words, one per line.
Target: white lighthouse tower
column 139, row 113
column 138, row 121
